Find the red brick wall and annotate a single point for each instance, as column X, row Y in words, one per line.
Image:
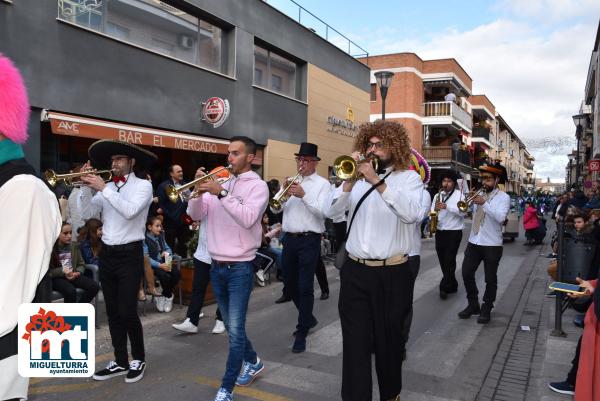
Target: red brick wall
column 448, row 65
column 482, row 100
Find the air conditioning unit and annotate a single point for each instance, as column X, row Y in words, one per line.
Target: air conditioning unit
column 186, row 41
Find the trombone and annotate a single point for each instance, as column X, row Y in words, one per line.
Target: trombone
column 184, row 193
column 463, row 205
column 346, row 168
column 52, row 178
column 277, row 202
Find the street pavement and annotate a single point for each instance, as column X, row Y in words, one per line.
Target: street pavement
column 448, row 358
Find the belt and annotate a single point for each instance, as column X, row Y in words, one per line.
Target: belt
column 124, row 247
column 303, row 234
column 394, row 260
column 225, row 262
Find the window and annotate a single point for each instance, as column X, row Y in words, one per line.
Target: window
column 156, row 26
column 275, row 72
column 373, row 92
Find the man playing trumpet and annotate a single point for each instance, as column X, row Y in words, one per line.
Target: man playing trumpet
column 303, row 224
column 376, row 283
column 485, row 243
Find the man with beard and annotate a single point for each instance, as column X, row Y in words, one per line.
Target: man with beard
column 485, row 243
column 376, row 283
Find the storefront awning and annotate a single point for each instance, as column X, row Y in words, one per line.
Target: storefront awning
column 83, row 127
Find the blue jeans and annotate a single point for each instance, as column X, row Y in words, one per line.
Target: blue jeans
column 232, row 284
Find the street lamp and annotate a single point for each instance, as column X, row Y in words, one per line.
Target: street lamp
column 579, row 120
column 384, row 80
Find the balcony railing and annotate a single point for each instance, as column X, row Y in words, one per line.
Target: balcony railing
column 479, row 132
column 446, row 154
column 448, row 109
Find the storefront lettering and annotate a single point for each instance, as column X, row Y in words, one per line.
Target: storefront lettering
column 130, row 136
column 69, row 127
column 341, row 127
column 197, row 146
column 157, row 140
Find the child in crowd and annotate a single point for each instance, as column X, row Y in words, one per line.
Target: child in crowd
column 67, row 267
column 160, row 254
column 90, row 241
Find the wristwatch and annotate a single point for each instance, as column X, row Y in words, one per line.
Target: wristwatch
column 222, row 194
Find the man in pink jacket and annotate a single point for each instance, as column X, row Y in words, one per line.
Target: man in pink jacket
column 234, row 211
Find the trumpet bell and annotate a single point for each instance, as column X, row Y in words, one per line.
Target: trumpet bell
column 50, row 176
column 275, row 204
column 344, row 167
column 462, row 206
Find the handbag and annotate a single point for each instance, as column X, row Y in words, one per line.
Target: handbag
column 342, row 254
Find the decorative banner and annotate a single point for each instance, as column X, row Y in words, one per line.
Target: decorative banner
column 215, row 111
column 594, row 165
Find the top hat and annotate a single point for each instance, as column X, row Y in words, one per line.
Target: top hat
column 308, row 149
column 102, row 151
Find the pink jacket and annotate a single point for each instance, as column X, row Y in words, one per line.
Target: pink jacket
column 530, row 220
column 234, row 228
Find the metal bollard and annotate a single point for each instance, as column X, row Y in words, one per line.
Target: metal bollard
column 558, row 306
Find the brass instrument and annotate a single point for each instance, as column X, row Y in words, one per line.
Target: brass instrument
column 346, row 168
column 277, row 202
column 185, row 193
column 463, row 205
column 433, row 215
column 52, row 178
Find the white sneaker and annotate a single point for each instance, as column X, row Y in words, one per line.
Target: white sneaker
column 219, row 327
column 187, row 326
column 168, row 305
column 260, row 277
column 160, row 303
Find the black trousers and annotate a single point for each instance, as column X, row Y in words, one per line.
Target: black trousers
column 339, row 230
column 168, row 280
column 121, row 269
column 374, row 303
column 68, row 288
column 177, row 239
column 447, row 243
column 490, row 255
column 199, row 284
column 301, row 255
column 414, row 264
column 321, row 274
column 572, row 376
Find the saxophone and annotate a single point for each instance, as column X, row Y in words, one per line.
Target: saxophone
column 433, row 215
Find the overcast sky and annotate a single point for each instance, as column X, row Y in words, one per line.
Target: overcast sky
column 530, row 57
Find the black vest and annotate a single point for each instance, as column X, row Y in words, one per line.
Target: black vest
column 155, row 250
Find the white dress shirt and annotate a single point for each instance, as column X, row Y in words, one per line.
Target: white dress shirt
column 31, row 223
column 306, row 213
column 425, row 206
column 384, row 224
column 450, row 218
column 496, row 209
column 341, row 216
column 124, row 213
column 202, row 249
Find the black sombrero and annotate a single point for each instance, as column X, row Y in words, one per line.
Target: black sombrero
column 101, row 152
column 450, row 174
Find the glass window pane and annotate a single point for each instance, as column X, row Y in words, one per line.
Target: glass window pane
column 210, row 46
column 283, row 75
column 260, row 66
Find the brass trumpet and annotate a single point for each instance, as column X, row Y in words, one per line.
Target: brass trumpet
column 185, row 193
column 463, row 205
column 52, row 178
column 346, row 168
column 277, row 202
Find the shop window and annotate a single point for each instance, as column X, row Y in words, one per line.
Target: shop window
column 155, row 26
column 282, row 72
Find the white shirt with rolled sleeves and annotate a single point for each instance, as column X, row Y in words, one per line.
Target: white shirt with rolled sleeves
column 425, row 206
column 450, row 218
column 124, row 213
column 496, row 209
column 306, row 213
column 384, row 224
column 341, row 216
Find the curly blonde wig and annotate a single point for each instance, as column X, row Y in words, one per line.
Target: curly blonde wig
column 394, row 137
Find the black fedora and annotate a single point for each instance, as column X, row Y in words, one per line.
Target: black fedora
column 450, row 174
column 101, row 152
column 308, row 149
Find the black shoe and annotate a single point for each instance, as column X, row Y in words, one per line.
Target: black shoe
column 578, row 320
column 443, row 294
column 471, row 309
column 313, row 324
column 299, row 344
column 562, row 387
column 484, row 315
column 136, row 371
column 404, row 354
column 283, row 299
column 111, row 370
column 324, row 296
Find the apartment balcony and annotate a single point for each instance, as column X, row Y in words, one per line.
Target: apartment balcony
column 447, row 157
column 447, row 114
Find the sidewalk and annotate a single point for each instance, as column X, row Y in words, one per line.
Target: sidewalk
column 529, row 357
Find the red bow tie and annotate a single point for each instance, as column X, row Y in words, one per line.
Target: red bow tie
column 118, row 178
